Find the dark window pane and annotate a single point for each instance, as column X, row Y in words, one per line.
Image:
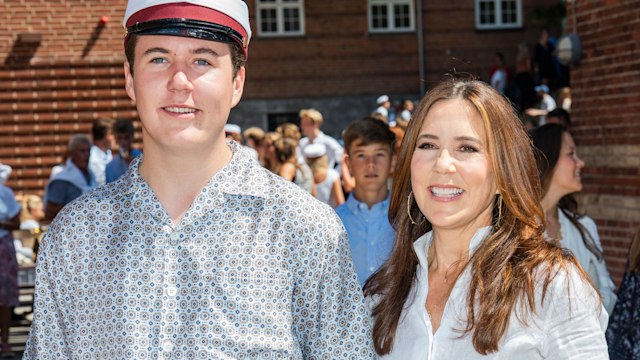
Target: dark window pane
column 401, row 17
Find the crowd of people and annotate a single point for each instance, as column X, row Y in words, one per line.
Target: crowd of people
column 445, row 231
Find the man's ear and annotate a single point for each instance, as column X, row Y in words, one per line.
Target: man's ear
column 347, row 161
column 238, row 86
column 128, row 81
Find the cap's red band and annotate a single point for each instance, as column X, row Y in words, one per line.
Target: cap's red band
column 186, row 11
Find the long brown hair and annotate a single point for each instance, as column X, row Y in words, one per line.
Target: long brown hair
column 547, row 143
column 509, row 254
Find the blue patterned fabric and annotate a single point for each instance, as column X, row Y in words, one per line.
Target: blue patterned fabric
column 623, row 333
column 256, row 269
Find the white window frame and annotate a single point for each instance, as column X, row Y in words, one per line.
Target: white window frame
column 279, row 6
column 390, row 16
column 498, row 23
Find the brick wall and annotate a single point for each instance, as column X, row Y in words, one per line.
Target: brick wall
column 60, row 68
column 606, row 112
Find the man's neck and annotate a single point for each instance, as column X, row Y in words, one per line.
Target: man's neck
column 177, row 177
column 370, row 197
column 102, row 146
column 314, row 134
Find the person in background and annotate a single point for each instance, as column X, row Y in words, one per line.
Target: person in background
column 405, row 114
column 287, row 165
column 499, row 74
column 560, row 170
column 197, row 252
column 623, row 333
column 310, row 122
column 559, row 116
column 73, row 180
column 384, row 104
column 543, row 63
column 32, row 212
column 9, row 221
column 124, row 131
column 471, row 275
column 523, row 95
column 546, row 105
column 103, row 141
column 564, row 98
column 327, row 180
column 5, row 172
column 369, row 145
column 269, row 158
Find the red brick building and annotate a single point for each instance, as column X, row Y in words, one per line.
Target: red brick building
column 606, row 112
column 61, row 63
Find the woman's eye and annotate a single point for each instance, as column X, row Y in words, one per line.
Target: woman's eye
column 426, row 146
column 468, row 149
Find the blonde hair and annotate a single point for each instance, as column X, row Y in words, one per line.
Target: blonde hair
column 313, row 114
column 28, row 203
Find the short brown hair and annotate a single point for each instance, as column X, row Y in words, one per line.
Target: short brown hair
column 369, row 131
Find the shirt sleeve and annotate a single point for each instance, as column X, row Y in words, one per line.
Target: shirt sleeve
column 62, row 192
column 606, row 287
column 575, row 319
column 9, row 200
column 330, row 318
column 47, row 336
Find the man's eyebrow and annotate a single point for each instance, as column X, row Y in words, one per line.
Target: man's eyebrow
column 156, row 50
column 205, row 51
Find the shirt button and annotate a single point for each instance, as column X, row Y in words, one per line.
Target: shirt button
column 166, row 228
column 172, row 291
column 167, row 345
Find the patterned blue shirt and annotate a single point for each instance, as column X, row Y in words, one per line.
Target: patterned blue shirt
column 370, row 234
column 256, row 269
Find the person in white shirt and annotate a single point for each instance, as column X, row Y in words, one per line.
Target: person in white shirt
column 471, row 275
column 559, row 168
column 310, row 123
column 103, row 141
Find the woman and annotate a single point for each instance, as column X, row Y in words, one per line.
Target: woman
column 559, row 170
column 9, row 221
column 32, row 212
column 471, row 275
column 288, row 167
column 327, row 181
column 623, row 333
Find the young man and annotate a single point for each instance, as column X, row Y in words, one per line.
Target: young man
column 369, row 143
column 310, row 123
column 197, row 251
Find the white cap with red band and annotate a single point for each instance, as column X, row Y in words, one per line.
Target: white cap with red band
column 166, row 15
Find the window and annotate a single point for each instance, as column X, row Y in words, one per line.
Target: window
column 280, row 17
column 498, row 14
column 391, row 16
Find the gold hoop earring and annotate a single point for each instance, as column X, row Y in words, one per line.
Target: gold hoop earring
column 409, row 201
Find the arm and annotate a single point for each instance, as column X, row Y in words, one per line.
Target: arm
column 574, row 319
column 606, row 287
column 348, row 181
column 331, row 320
column 337, row 196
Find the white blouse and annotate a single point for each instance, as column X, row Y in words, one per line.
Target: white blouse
column 596, row 269
column 569, row 325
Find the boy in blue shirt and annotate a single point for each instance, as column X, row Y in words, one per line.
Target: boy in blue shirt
column 369, row 144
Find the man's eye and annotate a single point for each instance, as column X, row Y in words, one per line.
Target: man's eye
column 202, row 62
column 157, row 60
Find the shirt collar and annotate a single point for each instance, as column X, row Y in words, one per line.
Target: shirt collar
column 421, row 245
column 356, row 206
column 241, row 176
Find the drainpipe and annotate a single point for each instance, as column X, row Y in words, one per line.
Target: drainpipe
column 420, row 30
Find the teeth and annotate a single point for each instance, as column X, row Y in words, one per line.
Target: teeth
column 180, row 110
column 446, row 191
